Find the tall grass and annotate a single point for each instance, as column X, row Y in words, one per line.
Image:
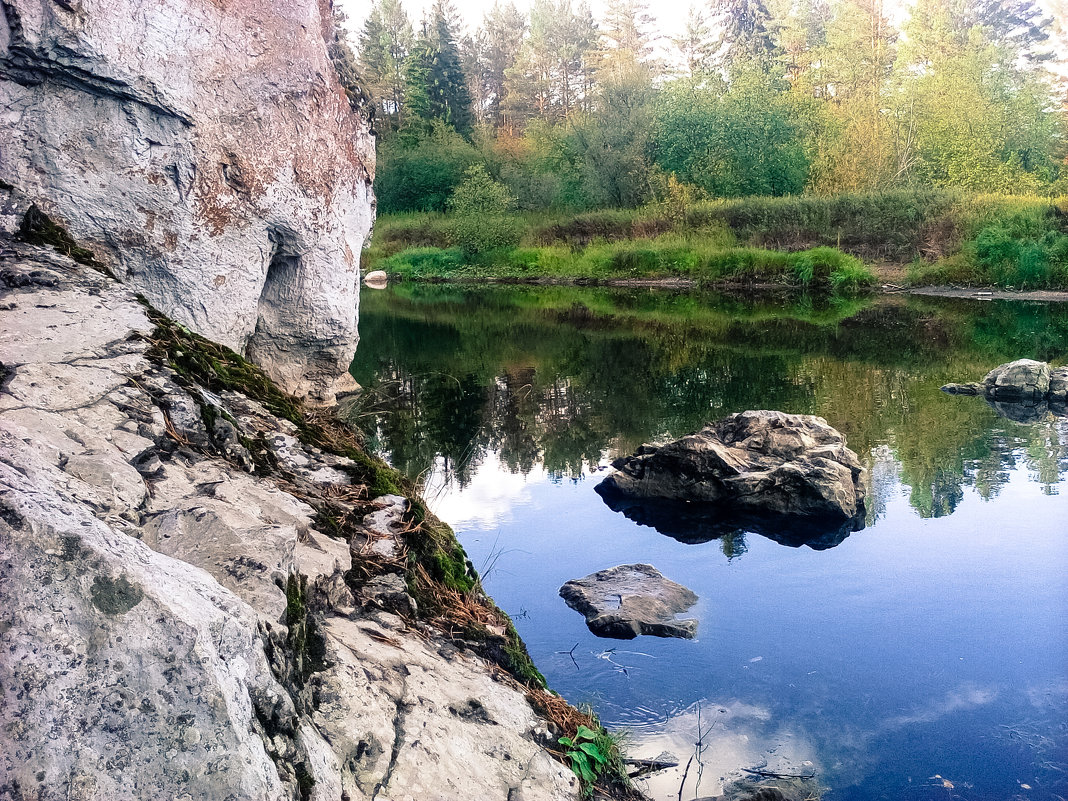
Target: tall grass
column 947, row 237
column 671, row 255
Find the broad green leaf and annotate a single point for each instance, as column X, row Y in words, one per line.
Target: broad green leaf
column 585, row 733
column 594, row 752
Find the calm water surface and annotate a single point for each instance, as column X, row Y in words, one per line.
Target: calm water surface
column 924, row 657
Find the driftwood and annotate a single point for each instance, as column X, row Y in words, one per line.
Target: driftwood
column 767, row 774
column 646, row 766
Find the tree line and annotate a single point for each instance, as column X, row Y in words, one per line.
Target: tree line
column 754, row 97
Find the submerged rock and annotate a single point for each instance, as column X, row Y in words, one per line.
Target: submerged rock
column 763, row 462
column 627, row 600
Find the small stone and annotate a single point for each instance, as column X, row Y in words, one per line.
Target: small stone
column 625, row 601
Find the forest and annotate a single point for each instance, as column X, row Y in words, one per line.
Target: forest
column 517, row 126
column 755, row 98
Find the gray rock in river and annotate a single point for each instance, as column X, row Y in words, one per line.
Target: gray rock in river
column 1025, row 390
column 1058, row 385
column 627, row 600
column 754, row 461
column 1023, row 379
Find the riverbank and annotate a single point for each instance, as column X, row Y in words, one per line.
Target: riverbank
column 239, row 580
column 883, row 284
column 845, row 243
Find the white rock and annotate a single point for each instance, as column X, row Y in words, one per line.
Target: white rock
column 376, row 279
column 114, row 653
column 206, row 153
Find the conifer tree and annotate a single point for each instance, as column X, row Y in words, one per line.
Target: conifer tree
column 436, row 87
column 384, row 46
column 746, row 34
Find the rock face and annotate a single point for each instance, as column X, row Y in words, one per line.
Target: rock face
column 156, row 590
column 1025, row 390
column 206, row 153
column 764, row 462
column 627, row 600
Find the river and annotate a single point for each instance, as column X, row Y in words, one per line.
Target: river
column 923, row 657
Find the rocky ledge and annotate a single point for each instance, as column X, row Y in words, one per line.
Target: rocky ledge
column 206, row 153
column 754, row 462
column 198, row 601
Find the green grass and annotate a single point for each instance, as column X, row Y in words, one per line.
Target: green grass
column 948, row 237
column 706, row 260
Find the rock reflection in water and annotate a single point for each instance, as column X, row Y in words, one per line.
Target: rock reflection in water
column 695, row 523
column 1028, row 412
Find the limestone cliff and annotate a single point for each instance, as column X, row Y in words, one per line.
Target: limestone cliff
column 206, row 153
column 177, row 621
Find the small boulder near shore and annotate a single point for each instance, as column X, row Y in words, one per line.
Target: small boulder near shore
column 1024, row 390
column 627, row 600
column 764, row 462
column 376, row 279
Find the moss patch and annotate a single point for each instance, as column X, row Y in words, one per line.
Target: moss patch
column 37, row 228
column 115, row 596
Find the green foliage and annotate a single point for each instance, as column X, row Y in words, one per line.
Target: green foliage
column 478, row 193
column 436, row 86
column 584, row 754
column 482, row 224
column 419, row 169
column 731, row 140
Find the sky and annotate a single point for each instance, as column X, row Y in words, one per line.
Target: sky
column 670, row 14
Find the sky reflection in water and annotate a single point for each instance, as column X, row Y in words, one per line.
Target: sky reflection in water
column 930, row 643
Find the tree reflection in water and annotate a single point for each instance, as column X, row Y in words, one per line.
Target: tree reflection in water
column 568, row 377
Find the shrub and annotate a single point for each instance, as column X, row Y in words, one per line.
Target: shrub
column 483, row 223
column 419, row 169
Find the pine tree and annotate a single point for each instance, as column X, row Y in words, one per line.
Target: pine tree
column 626, row 39
column 503, row 31
column 696, row 45
column 436, row 87
column 448, row 84
column 746, row 34
column 384, row 45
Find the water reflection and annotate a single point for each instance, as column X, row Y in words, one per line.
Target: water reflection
column 559, row 378
column 915, row 648
column 699, row 523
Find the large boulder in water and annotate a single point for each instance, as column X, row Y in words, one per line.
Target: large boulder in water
column 1023, row 379
column 765, row 462
column 1058, row 385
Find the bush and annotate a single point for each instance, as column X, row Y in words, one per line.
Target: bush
column 477, row 235
column 419, row 169
column 483, row 223
column 424, row 262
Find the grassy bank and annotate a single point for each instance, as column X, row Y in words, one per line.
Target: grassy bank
column 940, row 237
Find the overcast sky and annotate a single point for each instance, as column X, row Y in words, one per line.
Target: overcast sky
column 670, row 14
